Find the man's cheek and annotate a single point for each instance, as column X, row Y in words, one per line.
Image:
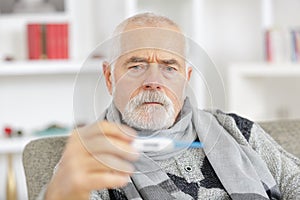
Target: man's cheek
column 122, row 96
column 175, row 94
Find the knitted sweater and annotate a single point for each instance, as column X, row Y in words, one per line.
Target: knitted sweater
column 193, row 174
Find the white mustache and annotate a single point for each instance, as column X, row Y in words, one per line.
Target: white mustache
column 144, row 117
column 151, row 96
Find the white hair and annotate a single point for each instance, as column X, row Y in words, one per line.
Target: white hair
column 144, row 19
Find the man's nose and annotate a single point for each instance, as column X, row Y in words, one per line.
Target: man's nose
column 153, row 80
column 152, row 86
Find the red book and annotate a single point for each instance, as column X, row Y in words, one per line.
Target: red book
column 50, row 41
column 268, row 46
column 297, row 49
column 55, row 38
column 65, row 41
column 57, row 41
column 34, row 41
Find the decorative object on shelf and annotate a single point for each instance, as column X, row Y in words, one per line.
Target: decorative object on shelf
column 11, row 184
column 10, row 132
column 32, row 6
column 7, row 131
column 48, row 41
column 8, row 58
column 52, row 129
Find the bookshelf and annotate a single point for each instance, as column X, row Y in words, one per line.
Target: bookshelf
column 34, row 95
column 268, row 89
column 264, row 91
column 13, row 25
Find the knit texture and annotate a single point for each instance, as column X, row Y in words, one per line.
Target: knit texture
column 192, row 173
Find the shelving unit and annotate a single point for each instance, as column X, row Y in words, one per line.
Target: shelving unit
column 268, row 90
column 21, row 81
column 36, row 93
column 13, row 147
column 264, row 91
column 13, row 29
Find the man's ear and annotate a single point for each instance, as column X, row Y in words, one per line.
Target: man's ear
column 189, row 73
column 107, row 74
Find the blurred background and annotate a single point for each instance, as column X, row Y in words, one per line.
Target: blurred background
column 254, row 44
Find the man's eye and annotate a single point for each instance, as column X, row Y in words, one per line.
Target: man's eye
column 170, row 69
column 136, row 67
column 136, row 70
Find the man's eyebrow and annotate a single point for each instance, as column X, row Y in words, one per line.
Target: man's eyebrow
column 169, row 62
column 135, row 59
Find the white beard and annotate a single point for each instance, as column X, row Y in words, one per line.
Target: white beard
column 158, row 116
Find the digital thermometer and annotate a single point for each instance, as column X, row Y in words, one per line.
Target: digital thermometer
column 158, row 144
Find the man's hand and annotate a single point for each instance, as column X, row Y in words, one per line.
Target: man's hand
column 98, row 156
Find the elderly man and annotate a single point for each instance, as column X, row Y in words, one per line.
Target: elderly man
column 238, row 159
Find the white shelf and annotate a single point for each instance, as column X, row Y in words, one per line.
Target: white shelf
column 16, row 145
column 264, row 91
column 264, row 70
column 35, row 17
column 47, row 67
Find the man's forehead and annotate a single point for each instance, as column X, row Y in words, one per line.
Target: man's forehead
column 164, row 40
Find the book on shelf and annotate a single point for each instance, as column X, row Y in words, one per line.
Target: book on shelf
column 295, row 47
column 34, row 41
column 48, row 41
column 282, row 45
column 276, row 45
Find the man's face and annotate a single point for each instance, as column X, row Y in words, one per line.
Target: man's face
column 148, row 87
column 148, row 84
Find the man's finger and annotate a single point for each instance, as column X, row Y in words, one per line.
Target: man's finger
column 109, row 145
column 107, row 128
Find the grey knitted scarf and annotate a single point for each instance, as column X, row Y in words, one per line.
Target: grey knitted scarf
column 242, row 172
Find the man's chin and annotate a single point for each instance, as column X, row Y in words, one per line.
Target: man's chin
column 150, row 126
column 149, row 116
column 154, row 121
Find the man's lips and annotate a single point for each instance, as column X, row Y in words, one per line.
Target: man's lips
column 153, row 103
